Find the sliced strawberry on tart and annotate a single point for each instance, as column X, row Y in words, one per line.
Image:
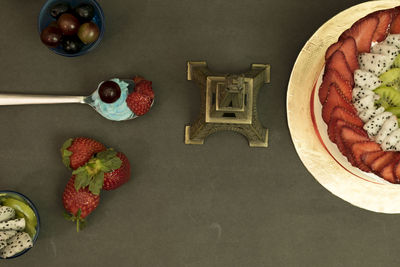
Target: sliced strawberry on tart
column 332, row 76
column 338, row 62
column 349, row 49
column 395, row 25
column 362, row 31
column 335, row 99
column 382, row 29
column 340, row 114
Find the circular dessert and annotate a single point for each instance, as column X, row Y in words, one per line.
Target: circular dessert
column 19, row 224
column 71, row 28
column 360, row 94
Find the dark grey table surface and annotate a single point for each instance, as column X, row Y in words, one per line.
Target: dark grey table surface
column 220, row 204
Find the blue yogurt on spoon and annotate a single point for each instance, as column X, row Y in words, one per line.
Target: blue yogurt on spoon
column 117, row 110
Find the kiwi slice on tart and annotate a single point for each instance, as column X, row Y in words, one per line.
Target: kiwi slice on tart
column 396, row 62
column 389, row 97
column 394, row 110
column 391, row 78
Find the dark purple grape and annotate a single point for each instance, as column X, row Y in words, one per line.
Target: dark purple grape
column 84, row 12
column 68, row 24
column 57, row 10
column 71, row 44
column 88, row 32
column 51, row 36
column 109, row 92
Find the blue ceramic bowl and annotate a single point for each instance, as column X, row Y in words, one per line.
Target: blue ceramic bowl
column 27, row 201
column 45, row 19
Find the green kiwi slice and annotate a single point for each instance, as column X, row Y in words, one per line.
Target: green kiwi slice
column 389, row 97
column 391, row 78
column 394, row 110
column 396, row 62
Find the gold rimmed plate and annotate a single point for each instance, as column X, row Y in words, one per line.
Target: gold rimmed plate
column 309, row 133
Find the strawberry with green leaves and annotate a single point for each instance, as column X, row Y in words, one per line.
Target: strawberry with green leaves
column 118, row 177
column 78, row 203
column 94, row 169
column 108, row 170
column 78, row 151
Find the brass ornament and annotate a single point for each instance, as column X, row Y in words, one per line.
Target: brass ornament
column 228, row 103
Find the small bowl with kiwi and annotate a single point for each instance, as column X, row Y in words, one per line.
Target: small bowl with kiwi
column 22, row 209
column 71, row 27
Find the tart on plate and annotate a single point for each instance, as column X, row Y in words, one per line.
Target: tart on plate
column 332, row 73
column 360, row 93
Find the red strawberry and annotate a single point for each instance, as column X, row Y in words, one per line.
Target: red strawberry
column 334, row 99
column 347, row 153
column 332, row 76
column 358, row 149
column 138, row 79
column 338, row 62
column 368, row 158
column 342, row 114
column 332, row 48
column 139, row 104
column 382, row 161
column 108, row 170
column 396, row 171
column 76, row 152
column 350, row 136
column 387, row 172
column 345, row 135
column 395, row 25
column 335, row 125
column 349, row 49
column 118, row 177
column 334, row 129
column 78, row 204
column 144, row 87
column 382, row 30
column 362, row 31
column 344, row 150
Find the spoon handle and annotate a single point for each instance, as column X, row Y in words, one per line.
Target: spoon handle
column 22, row 99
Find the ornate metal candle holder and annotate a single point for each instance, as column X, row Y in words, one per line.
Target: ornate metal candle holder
column 228, row 103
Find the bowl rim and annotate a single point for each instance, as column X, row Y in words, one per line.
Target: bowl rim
column 35, row 210
column 91, row 46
